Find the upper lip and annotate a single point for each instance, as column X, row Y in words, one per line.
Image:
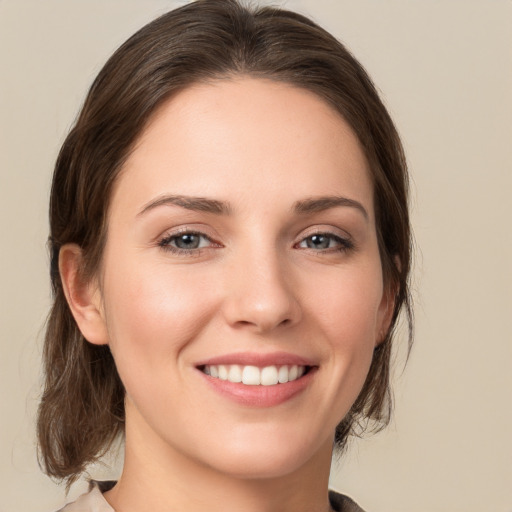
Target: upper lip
column 256, row 359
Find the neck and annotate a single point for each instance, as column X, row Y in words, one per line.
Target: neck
column 158, row 478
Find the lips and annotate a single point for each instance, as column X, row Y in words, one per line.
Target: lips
column 259, row 360
column 261, row 380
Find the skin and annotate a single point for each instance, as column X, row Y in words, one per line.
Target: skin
column 256, row 284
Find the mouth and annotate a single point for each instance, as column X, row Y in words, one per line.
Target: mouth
column 258, row 380
column 251, row 375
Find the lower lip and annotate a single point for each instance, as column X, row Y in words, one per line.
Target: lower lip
column 260, row 396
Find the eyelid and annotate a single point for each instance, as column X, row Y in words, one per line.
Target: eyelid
column 344, row 239
column 185, row 229
column 164, row 241
column 325, row 230
column 174, row 236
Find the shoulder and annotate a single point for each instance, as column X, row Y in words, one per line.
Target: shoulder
column 92, row 501
column 342, row 503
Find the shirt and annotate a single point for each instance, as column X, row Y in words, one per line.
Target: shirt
column 94, row 501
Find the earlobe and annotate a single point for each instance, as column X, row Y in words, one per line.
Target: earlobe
column 83, row 296
column 386, row 312
column 387, row 308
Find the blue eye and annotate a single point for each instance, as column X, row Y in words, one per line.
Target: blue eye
column 325, row 241
column 185, row 242
column 191, row 242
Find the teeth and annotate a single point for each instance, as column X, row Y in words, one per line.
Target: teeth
column 223, row 372
column 235, row 373
column 254, row 376
column 282, row 374
column 269, row 376
column 251, row 375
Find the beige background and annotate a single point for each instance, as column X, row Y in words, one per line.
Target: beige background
column 445, row 71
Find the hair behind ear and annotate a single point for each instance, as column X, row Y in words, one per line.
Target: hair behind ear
column 82, row 407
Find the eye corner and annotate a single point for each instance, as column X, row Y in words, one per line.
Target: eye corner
column 322, row 241
column 193, row 242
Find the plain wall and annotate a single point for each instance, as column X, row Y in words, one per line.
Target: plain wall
column 445, row 71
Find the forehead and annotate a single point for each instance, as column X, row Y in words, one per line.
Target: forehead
column 246, row 137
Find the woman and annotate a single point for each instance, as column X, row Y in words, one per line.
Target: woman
column 230, row 253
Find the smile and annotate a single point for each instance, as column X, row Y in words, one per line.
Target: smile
column 255, row 376
column 258, row 380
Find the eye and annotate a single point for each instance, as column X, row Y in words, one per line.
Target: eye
column 187, row 241
column 324, row 242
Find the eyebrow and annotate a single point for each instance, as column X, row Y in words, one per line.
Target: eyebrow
column 203, row 204
column 318, row 204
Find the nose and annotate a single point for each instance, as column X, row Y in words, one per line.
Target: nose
column 260, row 294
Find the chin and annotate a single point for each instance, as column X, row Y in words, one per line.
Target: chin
column 261, row 467
column 266, row 460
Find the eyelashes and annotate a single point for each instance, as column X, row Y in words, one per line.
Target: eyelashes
column 187, row 243
column 194, row 243
column 326, row 242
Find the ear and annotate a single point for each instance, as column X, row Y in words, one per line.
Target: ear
column 83, row 296
column 387, row 307
column 385, row 314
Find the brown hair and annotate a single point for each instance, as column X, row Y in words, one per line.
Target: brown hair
column 82, row 407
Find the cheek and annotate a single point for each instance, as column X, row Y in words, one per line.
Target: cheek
column 151, row 315
column 348, row 313
column 349, row 303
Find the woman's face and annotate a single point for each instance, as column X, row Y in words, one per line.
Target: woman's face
column 242, row 245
